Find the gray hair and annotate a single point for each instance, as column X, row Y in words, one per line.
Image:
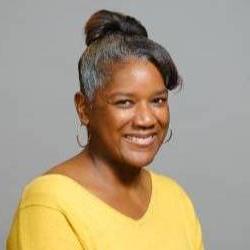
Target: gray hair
column 114, row 41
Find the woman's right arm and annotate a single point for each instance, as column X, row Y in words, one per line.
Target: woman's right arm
column 41, row 228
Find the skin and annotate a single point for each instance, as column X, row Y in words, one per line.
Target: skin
column 111, row 166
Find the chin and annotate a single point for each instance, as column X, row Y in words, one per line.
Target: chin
column 139, row 161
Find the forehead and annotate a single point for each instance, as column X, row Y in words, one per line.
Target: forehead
column 135, row 75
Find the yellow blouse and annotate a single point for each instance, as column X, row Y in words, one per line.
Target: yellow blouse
column 57, row 213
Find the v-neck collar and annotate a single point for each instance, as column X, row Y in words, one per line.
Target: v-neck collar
column 110, row 209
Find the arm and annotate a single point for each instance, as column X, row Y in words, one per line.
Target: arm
column 198, row 236
column 193, row 225
column 41, row 228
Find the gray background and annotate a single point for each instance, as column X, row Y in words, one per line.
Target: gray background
column 40, row 43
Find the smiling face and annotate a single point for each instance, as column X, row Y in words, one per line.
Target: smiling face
column 130, row 115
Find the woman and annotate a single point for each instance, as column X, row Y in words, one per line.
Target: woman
column 104, row 198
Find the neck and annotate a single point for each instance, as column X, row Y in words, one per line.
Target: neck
column 113, row 173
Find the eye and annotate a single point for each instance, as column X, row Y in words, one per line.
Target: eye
column 126, row 103
column 159, row 101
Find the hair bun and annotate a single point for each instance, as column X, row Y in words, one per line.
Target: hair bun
column 104, row 22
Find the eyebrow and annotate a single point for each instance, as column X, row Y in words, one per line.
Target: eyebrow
column 129, row 94
column 163, row 91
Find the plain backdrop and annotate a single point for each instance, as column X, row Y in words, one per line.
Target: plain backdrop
column 40, row 44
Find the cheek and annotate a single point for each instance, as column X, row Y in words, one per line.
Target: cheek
column 111, row 120
column 163, row 116
column 122, row 117
column 118, row 123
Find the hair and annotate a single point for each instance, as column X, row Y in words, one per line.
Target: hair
column 113, row 38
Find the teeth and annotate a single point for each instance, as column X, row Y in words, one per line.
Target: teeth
column 140, row 140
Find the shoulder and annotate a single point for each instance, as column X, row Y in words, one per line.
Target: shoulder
column 167, row 183
column 170, row 189
column 171, row 195
column 54, row 186
column 44, row 208
column 51, row 190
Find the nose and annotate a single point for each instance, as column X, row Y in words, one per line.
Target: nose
column 144, row 116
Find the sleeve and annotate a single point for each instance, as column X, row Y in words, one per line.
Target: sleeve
column 193, row 225
column 41, row 228
column 198, row 241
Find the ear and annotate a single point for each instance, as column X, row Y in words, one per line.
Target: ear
column 82, row 107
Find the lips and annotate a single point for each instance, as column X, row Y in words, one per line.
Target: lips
column 141, row 139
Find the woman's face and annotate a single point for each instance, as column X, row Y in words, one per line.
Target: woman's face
column 130, row 115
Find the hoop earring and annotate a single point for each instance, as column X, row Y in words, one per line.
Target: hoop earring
column 169, row 137
column 78, row 133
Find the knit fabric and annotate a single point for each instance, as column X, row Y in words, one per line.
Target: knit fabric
column 57, row 213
